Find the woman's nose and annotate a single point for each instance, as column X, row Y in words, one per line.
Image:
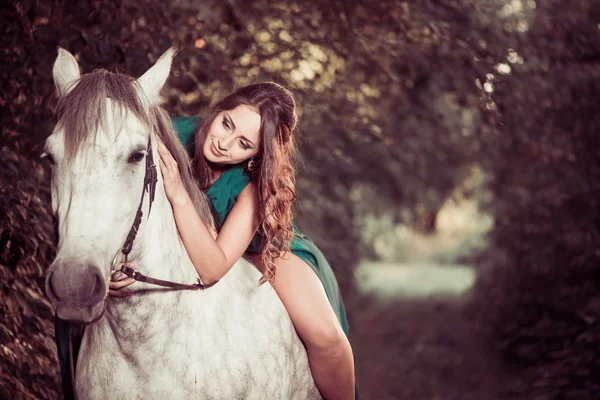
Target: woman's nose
column 223, row 144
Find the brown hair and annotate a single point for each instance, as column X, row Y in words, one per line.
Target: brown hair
column 273, row 169
column 83, row 111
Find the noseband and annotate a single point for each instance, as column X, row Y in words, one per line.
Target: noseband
column 150, row 180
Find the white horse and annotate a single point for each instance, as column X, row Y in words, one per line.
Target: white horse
column 233, row 340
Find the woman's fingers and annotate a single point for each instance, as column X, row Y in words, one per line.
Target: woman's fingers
column 120, row 265
column 115, row 288
column 116, row 285
column 118, row 280
column 165, row 155
column 163, row 152
column 163, row 167
column 119, row 293
column 169, row 170
column 117, row 274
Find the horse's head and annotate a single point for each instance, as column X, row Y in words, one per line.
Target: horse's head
column 98, row 153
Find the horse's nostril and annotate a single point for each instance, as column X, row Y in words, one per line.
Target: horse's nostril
column 97, row 288
column 95, row 284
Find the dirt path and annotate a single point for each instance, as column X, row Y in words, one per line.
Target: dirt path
column 422, row 348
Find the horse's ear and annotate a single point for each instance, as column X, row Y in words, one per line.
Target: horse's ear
column 154, row 79
column 65, row 72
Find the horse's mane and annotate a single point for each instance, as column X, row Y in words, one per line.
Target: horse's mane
column 83, row 111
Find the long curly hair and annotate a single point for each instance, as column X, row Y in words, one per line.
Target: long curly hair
column 273, row 168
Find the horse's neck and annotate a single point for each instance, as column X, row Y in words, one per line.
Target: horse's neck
column 157, row 252
column 163, row 254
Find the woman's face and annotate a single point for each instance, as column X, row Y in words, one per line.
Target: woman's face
column 233, row 136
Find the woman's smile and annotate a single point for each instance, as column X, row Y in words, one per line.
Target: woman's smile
column 214, row 149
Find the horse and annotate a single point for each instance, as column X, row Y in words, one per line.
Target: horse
column 232, row 340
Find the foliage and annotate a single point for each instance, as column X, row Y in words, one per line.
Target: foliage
column 26, row 244
column 540, row 283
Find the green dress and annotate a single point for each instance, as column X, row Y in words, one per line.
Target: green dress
column 223, row 195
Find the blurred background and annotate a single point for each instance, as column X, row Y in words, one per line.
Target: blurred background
column 450, row 173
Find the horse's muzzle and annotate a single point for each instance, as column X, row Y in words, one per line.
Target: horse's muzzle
column 76, row 290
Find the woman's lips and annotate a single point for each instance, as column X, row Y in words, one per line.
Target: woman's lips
column 214, row 150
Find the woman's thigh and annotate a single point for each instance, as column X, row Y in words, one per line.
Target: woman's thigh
column 303, row 295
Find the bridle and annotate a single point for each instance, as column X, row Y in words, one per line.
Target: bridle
column 150, row 180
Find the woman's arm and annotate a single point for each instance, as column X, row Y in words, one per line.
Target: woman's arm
column 214, row 258
column 211, row 257
column 329, row 352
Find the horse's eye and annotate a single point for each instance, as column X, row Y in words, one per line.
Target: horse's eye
column 48, row 157
column 136, row 157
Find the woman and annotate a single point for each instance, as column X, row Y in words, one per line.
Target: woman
column 243, row 158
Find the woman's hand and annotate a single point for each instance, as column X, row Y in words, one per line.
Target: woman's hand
column 118, row 281
column 174, row 189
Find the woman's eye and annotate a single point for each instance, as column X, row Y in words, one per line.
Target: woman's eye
column 244, row 145
column 225, row 124
column 136, row 157
column 48, row 157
